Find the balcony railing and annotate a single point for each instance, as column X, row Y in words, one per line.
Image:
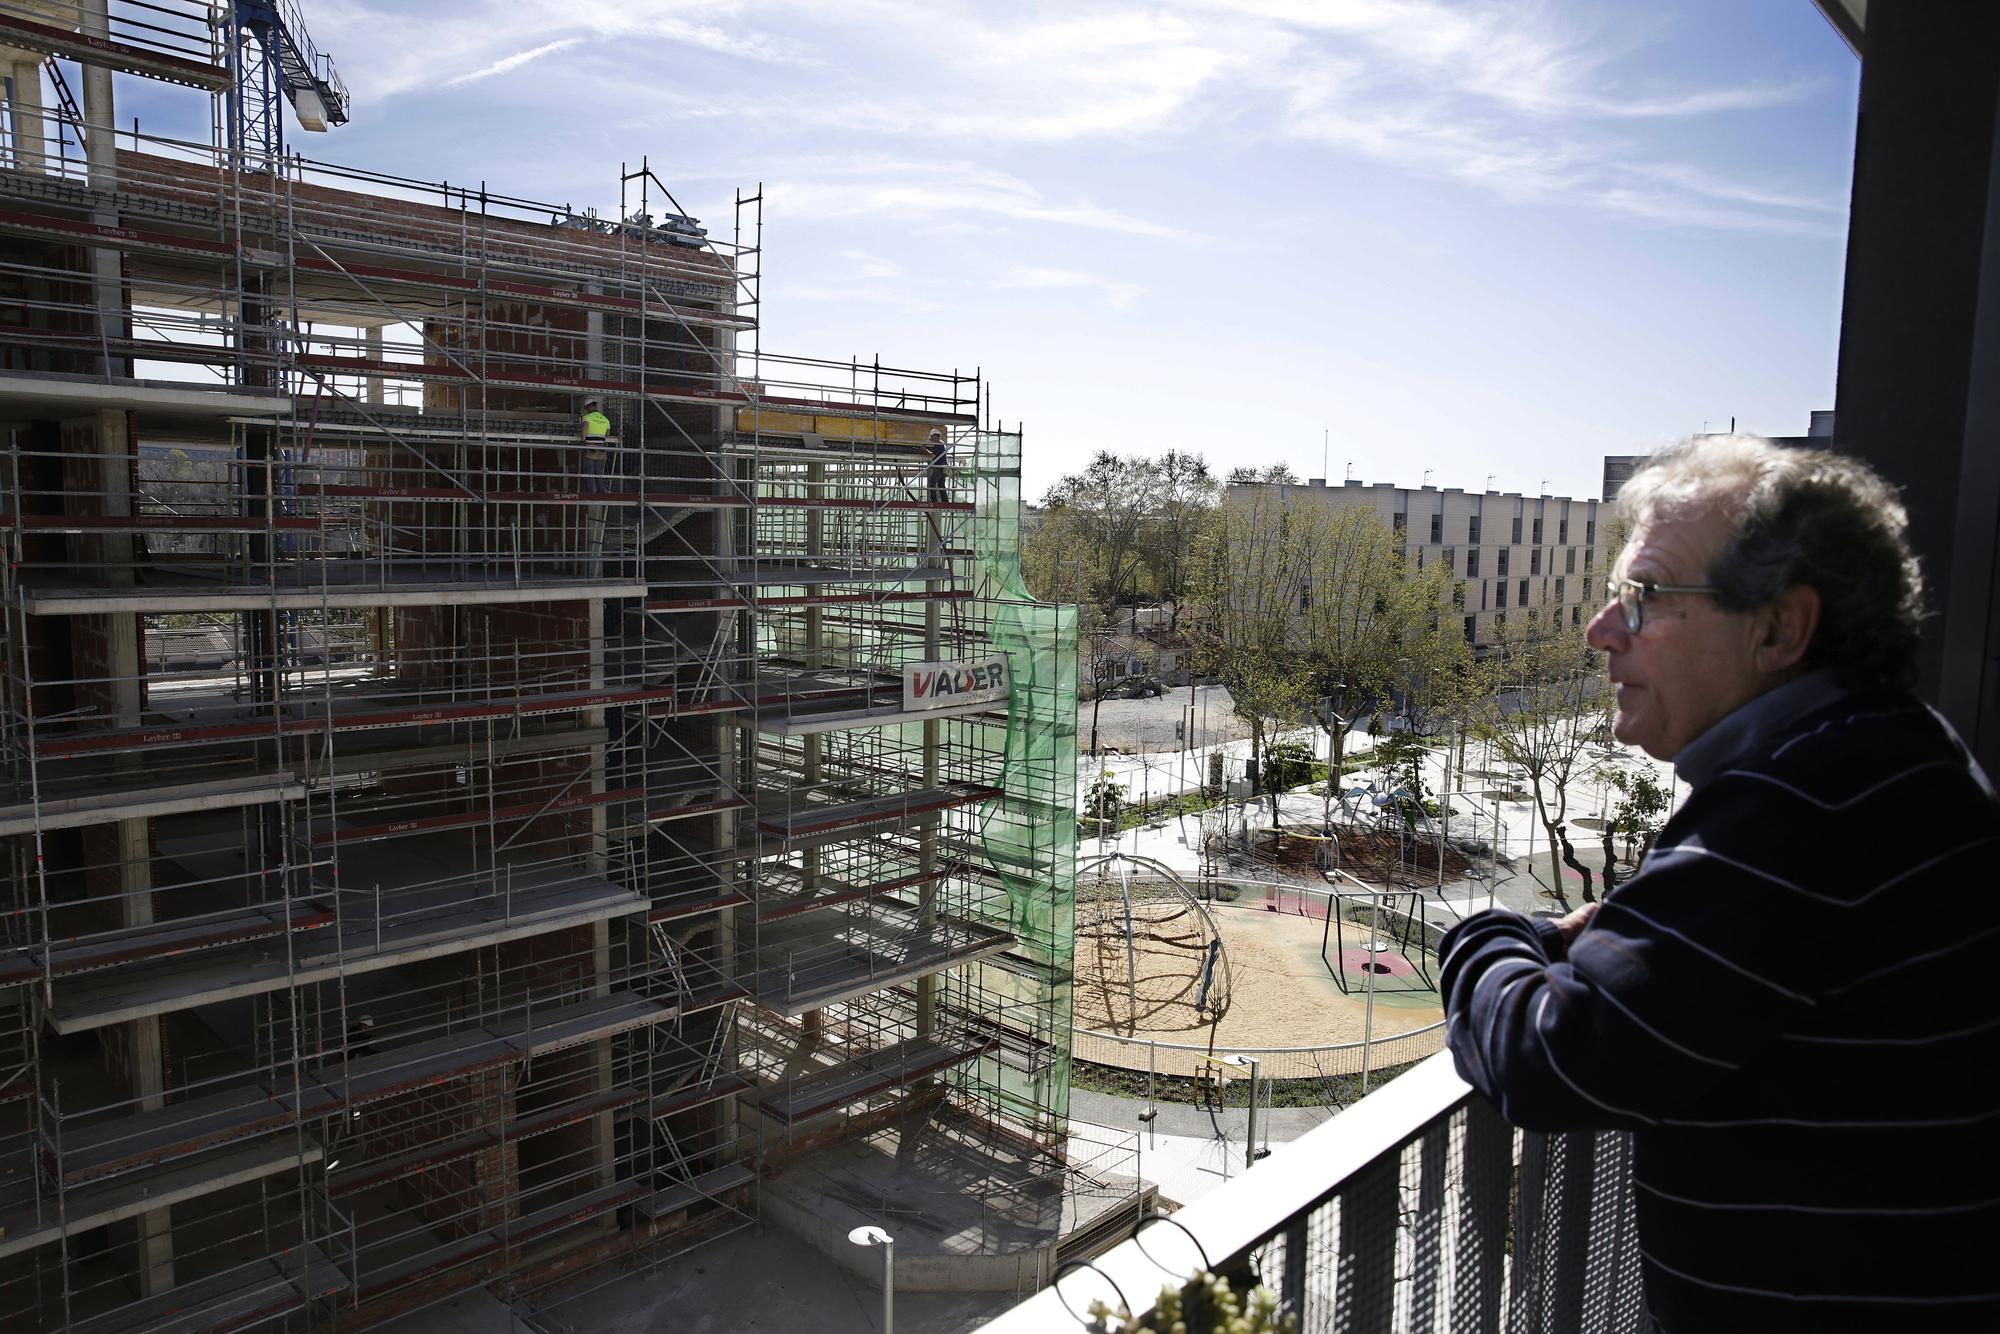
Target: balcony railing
column 1418, row 1211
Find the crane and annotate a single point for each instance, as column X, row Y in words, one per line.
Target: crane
column 274, row 57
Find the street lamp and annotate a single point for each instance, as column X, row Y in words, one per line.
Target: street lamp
column 875, row 1236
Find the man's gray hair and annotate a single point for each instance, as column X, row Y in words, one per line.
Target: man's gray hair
column 1799, row 516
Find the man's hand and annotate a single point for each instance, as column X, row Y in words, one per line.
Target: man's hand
column 1573, row 923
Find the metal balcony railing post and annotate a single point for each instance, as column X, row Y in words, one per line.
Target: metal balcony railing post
column 1365, row 1265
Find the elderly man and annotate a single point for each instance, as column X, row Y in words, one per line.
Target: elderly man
column 1783, row 1004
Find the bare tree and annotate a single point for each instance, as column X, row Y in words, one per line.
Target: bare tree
column 1544, row 711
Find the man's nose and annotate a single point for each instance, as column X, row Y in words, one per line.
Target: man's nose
column 1606, row 632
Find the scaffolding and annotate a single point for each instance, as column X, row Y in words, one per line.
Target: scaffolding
column 441, row 850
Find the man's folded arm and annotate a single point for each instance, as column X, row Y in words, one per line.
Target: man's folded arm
column 1667, row 992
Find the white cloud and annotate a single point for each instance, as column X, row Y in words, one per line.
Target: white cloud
column 515, row 61
column 1507, row 98
column 902, row 191
column 1117, row 295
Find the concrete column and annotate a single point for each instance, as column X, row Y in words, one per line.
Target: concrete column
column 30, row 126
column 105, row 438
column 101, row 158
column 372, row 340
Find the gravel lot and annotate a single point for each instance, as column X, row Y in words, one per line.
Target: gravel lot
column 1135, row 725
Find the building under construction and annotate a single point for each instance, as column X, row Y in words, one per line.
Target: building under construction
column 441, row 851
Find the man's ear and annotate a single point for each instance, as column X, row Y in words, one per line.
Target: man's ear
column 1788, row 627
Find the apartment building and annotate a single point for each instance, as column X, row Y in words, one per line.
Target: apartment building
column 1508, row 553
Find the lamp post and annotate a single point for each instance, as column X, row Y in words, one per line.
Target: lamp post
column 875, row 1236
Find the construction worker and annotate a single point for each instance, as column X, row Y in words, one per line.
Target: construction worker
column 596, row 433
column 940, row 458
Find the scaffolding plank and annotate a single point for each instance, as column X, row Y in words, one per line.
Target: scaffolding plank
column 164, row 939
column 111, row 237
column 838, row 892
column 701, row 1095
column 414, row 1267
column 574, row 1025
column 819, row 819
column 526, row 705
column 860, row 964
column 519, row 379
column 701, row 901
column 668, row 814
column 184, row 1128
column 52, row 598
column 882, row 711
column 136, row 1193
column 542, row 293
column 356, row 947
column 236, row 1299
column 706, row 1186
column 739, row 602
column 464, row 819
column 864, row 1076
column 172, row 523
column 153, row 797
column 368, row 1175
column 108, row 53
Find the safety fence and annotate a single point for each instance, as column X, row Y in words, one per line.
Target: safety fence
column 1326, row 1076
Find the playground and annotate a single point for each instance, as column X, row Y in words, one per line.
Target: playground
column 1241, row 966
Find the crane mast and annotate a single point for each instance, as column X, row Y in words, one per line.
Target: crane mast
column 275, row 63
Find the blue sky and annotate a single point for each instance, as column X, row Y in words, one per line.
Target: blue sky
column 1471, row 238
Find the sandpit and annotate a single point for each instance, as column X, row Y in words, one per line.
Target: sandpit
column 1279, row 993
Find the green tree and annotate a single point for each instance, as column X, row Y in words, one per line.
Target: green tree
column 1637, row 817
column 1249, row 582
column 1186, row 497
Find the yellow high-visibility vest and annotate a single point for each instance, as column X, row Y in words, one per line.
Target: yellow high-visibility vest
column 596, row 425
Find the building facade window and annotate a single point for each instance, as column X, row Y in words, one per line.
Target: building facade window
column 1562, row 532
column 1590, row 532
column 1472, row 531
column 1472, row 563
column 1538, row 532
column 1559, row 590
column 1576, row 615
column 1500, row 594
column 1398, row 522
column 1535, row 560
column 1437, row 527
column 1524, row 592
column 1517, row 528
column 1569, row 561
column 1503, row 562
column 1471, row 628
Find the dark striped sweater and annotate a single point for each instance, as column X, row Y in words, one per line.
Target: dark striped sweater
column 1786, row 1006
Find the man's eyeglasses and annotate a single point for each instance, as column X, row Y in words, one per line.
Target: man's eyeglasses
column 1631, row 595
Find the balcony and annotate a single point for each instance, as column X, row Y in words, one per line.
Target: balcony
column 1418, row 1211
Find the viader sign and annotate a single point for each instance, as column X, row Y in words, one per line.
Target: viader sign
column 937, row 685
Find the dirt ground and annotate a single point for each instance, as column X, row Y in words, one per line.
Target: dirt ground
column 1280, row 993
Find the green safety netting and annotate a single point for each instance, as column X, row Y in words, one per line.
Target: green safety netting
column 1030, row 832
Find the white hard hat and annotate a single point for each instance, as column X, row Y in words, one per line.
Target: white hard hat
column 592, row 403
